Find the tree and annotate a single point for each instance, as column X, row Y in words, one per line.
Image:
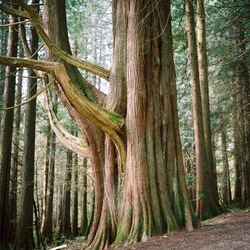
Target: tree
column 206, row 200
column 66, row 226
column 24, row 239
column 75, row 198
column 84, row 218
column 204, row 88
column 6, row 135
column 149, row 171
column 15, row 158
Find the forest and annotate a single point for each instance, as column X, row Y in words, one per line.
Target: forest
column 121, row 120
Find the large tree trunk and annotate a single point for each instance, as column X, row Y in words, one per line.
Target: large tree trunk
column 6, row 136
column 24, row 239
column 203, row 76
column 206, row 203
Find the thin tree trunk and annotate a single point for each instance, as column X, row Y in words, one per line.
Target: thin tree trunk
column 84, row 219
column 75, row 198
column 66, row 226
column 46, row 172
column 226, row 187
column 237, row 158
column 47, row 224
column 24, row 239
column 6, row 136
column 15, row 159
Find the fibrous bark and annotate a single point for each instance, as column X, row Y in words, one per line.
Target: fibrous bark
column 6, row 137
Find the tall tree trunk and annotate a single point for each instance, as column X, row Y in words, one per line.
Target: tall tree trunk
column 24, row 239
column 15, row 159
column 206, row 204
column 226, row 187
column 75, row 198
column 59, row 202
column 46, row 171
column 204, row 87
column 47, row 223
column 84, row 218
column 6, row 136
column 66, row 227
column 237, row 158
column 243, row 91
column 55, row 25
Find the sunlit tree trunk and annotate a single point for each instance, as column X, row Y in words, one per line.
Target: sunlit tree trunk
column 6, row 136
column 24, row 239
column 204, row 87
column 226, row 187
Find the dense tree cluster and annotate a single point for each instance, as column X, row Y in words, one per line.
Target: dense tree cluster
column 136, row 118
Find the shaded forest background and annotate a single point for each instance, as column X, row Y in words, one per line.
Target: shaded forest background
column 69, row 176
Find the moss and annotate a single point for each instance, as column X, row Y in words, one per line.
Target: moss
column 115, row 117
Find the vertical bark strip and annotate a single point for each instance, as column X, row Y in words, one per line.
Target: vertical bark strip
column 6, row 136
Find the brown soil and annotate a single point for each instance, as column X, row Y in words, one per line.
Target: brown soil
column 227, row 231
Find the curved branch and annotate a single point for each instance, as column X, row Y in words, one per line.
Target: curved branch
column 48, row 67
column 74, row 143
column 32, row 98
column 12, row 24
column 90, row 67
column 109, row 122
column 14, row 12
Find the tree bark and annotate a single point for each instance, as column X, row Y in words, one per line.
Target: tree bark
column 75, row 198
column 206, row 204
column 47, row 223
column 204, row 88
column 226, row 187
column 66, row 226
column 6, row 136
column 84, row 219
column 15, row 159
column 24, row 239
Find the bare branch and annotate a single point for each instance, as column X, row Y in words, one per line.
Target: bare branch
column 32, row 98
column 74, row 143
column 12, row 24
column 14, row 12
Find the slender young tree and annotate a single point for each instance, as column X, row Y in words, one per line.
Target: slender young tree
column 47, row 223
column 66, row 226
column 24, row 237
column 84, row 218
column 75, row 198
column 6, row 135
column 226, row 187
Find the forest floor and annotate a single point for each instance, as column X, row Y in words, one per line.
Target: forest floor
column 227, row 231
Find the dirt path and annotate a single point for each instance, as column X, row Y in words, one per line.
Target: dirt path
column 227, row 231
